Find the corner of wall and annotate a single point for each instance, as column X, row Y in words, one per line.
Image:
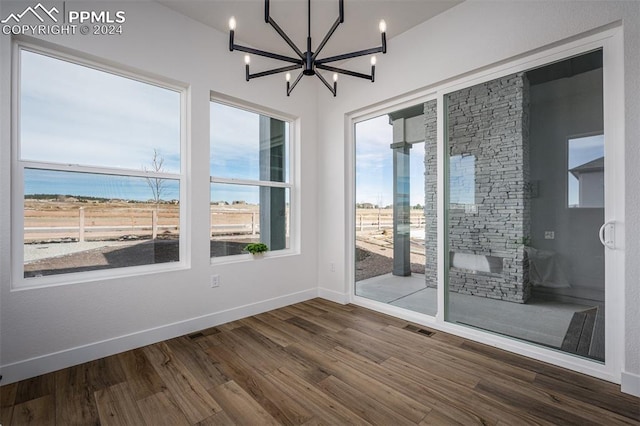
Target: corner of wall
column 333, row 296
column 630, row 383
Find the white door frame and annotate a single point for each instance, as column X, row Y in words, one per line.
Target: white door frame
column 610, row 41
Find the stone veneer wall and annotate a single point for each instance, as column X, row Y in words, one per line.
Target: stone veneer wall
column 490, row 122
column 431, row 191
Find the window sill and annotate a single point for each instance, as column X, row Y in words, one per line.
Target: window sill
column 241, row 258
column 20, row 283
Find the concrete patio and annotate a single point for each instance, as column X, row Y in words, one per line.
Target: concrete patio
column 539, row 321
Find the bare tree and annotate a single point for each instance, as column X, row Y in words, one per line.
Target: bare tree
column 156, row 184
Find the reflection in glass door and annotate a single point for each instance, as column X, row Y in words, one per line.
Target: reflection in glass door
column 525, row 198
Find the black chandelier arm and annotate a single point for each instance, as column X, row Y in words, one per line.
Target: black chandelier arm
column 285, row 37
column 265, row 54
column 347, row 72
column 273, row 71
column 307, row 62
column 327, row 37
column 351, row 55
column 291, row 86
column 339, row 21
column 333, row 89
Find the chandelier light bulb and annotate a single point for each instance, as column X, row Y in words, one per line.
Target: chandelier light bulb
column 247, row 59
column 288, row 76
column 232, row 23
column 335, row 76
column 373, row 60
column 382, row 26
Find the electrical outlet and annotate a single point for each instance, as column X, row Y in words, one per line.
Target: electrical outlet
column 333, row 267
column 215, row 281
column 549, row 235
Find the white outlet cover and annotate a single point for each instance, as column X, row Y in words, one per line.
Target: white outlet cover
column 215, row 281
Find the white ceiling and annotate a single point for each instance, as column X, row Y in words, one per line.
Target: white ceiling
column 359, row 30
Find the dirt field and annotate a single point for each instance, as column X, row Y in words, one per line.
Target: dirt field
column 54, row 220
column 128, row 228
column 53, row 226
column 378, row 219
column 374, row 242
column 46, row 220
column 120, row 255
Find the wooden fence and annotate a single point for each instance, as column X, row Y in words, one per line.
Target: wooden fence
column 372, row 220
column 150, row 223
column 145, row 224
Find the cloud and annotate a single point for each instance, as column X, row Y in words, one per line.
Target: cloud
column 374, row 164
column 373, row 158
column 235, row 142
column 73, row 114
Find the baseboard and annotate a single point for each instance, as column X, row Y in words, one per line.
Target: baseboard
column 333, row 296
column 630, row 384
column 55, row 361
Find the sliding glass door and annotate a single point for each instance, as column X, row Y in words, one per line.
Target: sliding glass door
column 525, row 203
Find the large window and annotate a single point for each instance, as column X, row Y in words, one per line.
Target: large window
column 250, row 180
column 99, row 168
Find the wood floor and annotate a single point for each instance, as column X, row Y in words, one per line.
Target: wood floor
column 316, row 363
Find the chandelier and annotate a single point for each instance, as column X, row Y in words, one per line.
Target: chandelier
column 308, row 62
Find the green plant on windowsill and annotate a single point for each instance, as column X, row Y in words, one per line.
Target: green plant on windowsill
column 256, row 248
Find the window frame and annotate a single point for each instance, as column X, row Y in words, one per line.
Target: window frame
column 610, row 39
column 291, row 183
column 18, row 166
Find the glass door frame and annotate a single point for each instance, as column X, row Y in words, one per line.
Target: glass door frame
column 611, row 42
column 350, row 195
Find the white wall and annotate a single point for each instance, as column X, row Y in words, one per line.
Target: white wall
column 65, row 324
column 466, row 38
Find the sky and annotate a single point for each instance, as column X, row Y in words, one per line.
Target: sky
column 234, row 141
column 374, row 164
column 95, row 185
column 462, row 179
column 72, row 114
column 581, row 151
column 235, row 152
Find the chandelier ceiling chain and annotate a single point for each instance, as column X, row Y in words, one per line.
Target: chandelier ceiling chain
column 308, row 62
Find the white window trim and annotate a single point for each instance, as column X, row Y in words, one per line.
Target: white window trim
column 292, row 184
column 611, row 41
column 247, row 182
column 18, row 281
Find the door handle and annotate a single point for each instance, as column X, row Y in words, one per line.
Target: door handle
column 607, row 234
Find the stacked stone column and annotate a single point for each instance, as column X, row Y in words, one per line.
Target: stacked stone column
column 488, row 121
